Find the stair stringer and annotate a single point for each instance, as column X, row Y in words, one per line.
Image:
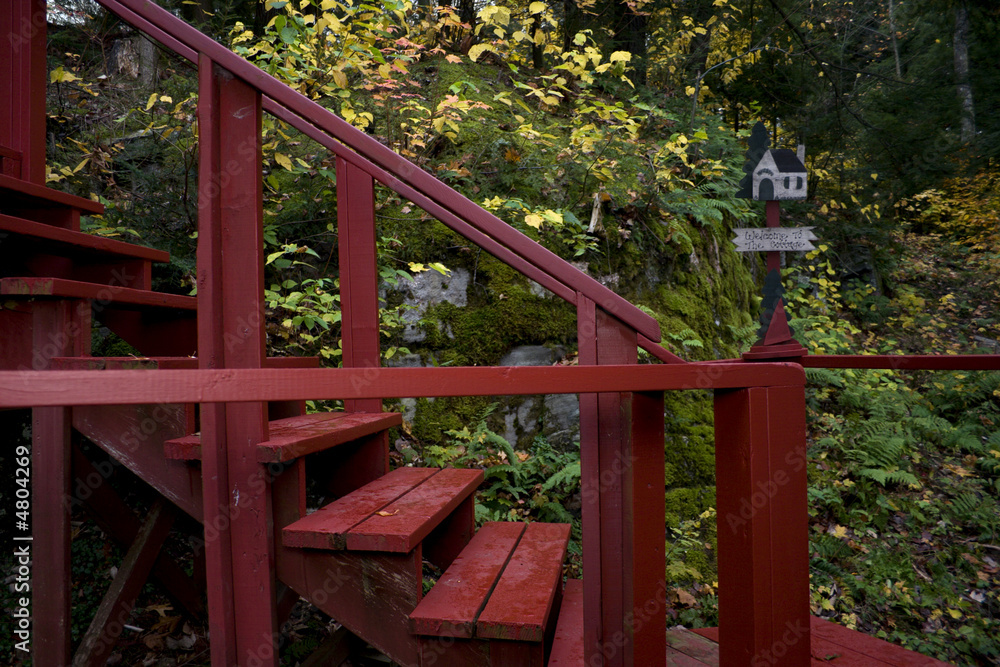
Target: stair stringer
column 134, row 435
column 369, row 593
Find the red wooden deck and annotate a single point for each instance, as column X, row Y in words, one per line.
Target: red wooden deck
column 830, row 644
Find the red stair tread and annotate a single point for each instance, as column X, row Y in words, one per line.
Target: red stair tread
column 451, row 607
column 67, row 242
column 293, row 437
column 19, row 193
column 520, row 605
column 109, row 294
column 303, row 435
column 567, row 645
column 409, row 519
column 326, row 527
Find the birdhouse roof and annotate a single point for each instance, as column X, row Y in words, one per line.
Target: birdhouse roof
column 786, row 161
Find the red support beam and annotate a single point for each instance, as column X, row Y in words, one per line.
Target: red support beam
column 621, row 457
column 20, row 389
column 50, row 548
column 231, row 286
column 23, row 80
column 906, row 362
column 358, row 274
column 59, row 328
column 763, row 526
column 211, row 355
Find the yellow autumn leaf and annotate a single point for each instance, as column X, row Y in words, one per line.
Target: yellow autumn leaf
column 620, row 56
column 533, row 220
column 417, row 267
column 838, row 531
column 151, row 102
column 61, row 75
column 452, row 58
column 954, row 613
column 283, row 160
column 340, row 79
column 536, row 7
column 478, row 50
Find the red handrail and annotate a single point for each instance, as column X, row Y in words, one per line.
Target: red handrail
column 389, row 168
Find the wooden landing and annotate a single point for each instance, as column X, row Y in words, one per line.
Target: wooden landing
column 832, row 644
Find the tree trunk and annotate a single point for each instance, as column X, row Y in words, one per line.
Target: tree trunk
column 892, row 39
column 961, row 46
column 149, row 58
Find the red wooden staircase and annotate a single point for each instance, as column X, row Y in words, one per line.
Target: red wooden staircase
column 217, row 429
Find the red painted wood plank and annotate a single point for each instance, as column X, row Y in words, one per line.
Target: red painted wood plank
column 152, row 363
column 23, row 78
column 299, row 436
column 134, row 436
column 326, row 528
column 693, row 645
column 522, row 603
column 371, row 594
column 70, row 243
column 872, row 647
column 590, row 485
column 112, row 614
column 50, row 548
column 938, row 362
column 403, row 523
column 30, row 388
column 310, row 113
column 359, row 279
column 292, row 437
column 211, row 355
column 567, row 645
column 763, row 526
column 105, row 294
column 19, row 193
column 645, row 534
column 451, row 607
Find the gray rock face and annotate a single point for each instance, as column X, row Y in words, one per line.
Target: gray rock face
column 561, row 419
column 528, row 355
column 427, row 289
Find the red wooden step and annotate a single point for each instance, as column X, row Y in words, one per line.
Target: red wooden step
column 69, row 243
column 393, row 513
column 122, row 297
column 42, row 204
column 327, row 527
column 567, row 645
column 451, row 608
column 298, row 436
column 530, row 586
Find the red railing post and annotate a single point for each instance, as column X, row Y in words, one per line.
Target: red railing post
column 358, row 274
column 58, row 328
column 23, row 80
column 621, row 457
column 238, row 520
column 763, row 526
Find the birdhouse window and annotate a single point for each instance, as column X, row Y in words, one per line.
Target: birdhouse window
column 788, row 182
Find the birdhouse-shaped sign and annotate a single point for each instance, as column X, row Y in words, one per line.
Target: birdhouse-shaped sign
column 772, row 174
column 780, row 175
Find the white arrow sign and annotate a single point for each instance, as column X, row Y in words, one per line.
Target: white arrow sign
column 774, row 238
